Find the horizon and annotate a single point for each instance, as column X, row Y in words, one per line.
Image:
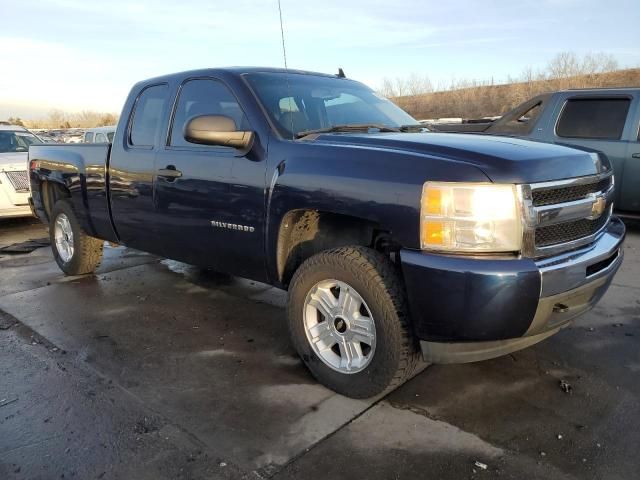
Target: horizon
column 86, row 49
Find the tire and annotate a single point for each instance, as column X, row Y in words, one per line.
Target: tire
column 369, row 275
column 86, row 252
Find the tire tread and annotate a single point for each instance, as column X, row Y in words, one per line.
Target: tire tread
column 88, row 250
column 379, row 274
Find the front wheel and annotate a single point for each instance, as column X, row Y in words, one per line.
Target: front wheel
column 75, row 252
column 349, row 322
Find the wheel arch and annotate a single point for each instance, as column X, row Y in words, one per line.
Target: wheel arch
column 304, row 232
column 52, row 192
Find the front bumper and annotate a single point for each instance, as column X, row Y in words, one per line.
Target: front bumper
column 467, row 309
column 13, row 204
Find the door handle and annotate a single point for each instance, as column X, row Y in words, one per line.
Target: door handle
column 635, row 155
column 169, row 173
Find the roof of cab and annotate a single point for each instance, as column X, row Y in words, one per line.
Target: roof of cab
column 234, row 71
column 601, row 90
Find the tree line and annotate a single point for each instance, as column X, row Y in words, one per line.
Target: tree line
column 458, row 98
column 474, row 99
column 60, row 119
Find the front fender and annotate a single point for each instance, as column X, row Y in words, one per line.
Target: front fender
column 379, row 186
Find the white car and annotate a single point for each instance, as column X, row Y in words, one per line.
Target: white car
column 14, row 181
column 100, row 134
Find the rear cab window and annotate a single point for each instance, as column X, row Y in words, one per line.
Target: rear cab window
column 593, row 118
column 147, row 116
column 88, row 137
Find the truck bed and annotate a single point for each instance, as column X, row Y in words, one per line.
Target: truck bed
column 75, row 165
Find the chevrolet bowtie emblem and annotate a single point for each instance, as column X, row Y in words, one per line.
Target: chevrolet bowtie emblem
column 598, row 207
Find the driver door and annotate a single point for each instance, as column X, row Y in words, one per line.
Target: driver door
column 206, row 215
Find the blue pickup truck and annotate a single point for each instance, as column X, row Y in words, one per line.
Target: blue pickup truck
column 397, row 246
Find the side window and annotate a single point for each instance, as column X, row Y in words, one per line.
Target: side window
column 598, row 118
column 204, row 97
column 101, row 138
column 88, row 137
column 147, row 115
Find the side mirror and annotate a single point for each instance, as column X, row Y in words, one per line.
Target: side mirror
column 217, row 130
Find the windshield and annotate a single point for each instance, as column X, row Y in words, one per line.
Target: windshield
column 12, row 141
column 299, row 103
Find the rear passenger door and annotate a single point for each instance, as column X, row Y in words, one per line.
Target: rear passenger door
column 209, row 200
column 597, row 122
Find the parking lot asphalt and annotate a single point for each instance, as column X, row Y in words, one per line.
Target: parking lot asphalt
column 155, row 369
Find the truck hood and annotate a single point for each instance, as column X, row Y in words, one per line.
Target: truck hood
column 502, row 159
column 13, row 161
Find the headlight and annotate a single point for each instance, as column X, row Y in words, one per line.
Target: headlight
column 470, row 217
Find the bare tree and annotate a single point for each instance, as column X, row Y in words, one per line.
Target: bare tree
column 15, row 121
column 473, row 99
column 593, row 63
column 564, row 65
column 387, row 89
column 107, row 119
column 56, row 119
column 87, row 119
column 418, row 84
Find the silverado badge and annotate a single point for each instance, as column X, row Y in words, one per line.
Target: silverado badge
column 232, row 226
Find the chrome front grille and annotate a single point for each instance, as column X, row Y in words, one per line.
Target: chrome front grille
column 568, row 232
column 550, row 196
column 566, row 214
column 19, row 180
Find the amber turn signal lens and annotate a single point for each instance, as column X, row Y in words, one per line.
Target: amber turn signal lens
column 432, row 202
column 433, row 233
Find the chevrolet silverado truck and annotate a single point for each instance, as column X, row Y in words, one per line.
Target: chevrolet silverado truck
column 398, row 247
column 603, row 119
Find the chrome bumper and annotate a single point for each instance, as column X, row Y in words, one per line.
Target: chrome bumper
column 571, row 284
column 574, row 282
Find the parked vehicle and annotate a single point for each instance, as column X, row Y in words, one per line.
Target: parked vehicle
column 392, row 243
column 100, row 134
column 73, row 138
column 607, row 120
column 14, row 181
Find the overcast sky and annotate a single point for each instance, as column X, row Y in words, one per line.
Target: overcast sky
column 86, row 54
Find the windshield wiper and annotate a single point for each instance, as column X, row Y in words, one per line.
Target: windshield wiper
column 349, row 128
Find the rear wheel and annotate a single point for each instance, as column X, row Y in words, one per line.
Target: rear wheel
column 75, row 252
column 348, row 321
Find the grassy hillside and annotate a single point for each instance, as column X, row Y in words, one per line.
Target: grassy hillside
column 477, row 101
